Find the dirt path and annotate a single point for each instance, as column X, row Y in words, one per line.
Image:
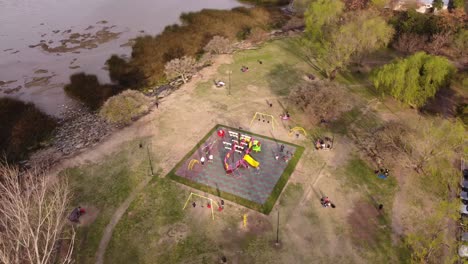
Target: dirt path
column 106, row 237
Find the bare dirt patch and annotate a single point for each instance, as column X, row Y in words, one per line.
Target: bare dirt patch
column 174, row 233
column 364, row 222
column 90, row 216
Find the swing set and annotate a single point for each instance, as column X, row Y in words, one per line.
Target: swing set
column 192, row 163
column 297, row 130
column 265, row 117
column 202, row 197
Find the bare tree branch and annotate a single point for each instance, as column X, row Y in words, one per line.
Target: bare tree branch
column 32, row 217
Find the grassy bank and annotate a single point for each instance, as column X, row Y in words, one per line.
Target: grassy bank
column 101, row 188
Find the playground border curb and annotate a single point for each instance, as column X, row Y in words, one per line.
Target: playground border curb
column 275, row 193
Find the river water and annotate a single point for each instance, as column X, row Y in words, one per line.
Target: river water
column 42, row 42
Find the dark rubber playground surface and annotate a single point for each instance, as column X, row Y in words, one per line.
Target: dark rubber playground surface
column 252, row 184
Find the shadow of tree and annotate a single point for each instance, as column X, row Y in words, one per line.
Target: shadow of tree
column 282, row 77
column 445, row 103
column 296, row 47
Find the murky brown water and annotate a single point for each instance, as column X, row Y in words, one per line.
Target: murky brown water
column 42, row 42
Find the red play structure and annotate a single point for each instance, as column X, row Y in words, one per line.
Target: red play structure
column 246, row 160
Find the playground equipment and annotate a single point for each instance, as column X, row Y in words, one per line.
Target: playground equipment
column 207, row 148
column 254, row 145
column 265, row 117
column 232, row 167
column 297, row 130
column 242, row 144
column 192, row 163
column 210, row 204
column 251, row 161
column 245, row 220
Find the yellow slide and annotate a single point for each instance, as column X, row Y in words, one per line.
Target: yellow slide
column 251, row 161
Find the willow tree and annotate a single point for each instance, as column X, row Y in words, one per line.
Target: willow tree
column 322, row 14
column 415, row 79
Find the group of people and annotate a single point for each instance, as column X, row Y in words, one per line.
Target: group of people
column 325, row 143
column 286, row 157
column 285, row 116
column 203, row 159
column 382, row 173
column 326, row 202
column 208, row 205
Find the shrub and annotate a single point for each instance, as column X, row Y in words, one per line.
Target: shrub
column 124, row 107
column 413, row 22
column 22, row 128
column 88, row 90
column 218, row 45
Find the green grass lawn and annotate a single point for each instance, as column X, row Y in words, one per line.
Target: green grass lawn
column 281, row 69
column 136, row 237
column 358, row 175
column 104, row 187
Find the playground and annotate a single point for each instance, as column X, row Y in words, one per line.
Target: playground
column 230, row 162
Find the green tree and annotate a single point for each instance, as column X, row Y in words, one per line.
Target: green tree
column 319, row 15
column 438, row 4
column 456, row 4
column 428, row 240
column 437, row 140
column 368, row 32
column 332, row 40
column 415, row 79
column 417, row 23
